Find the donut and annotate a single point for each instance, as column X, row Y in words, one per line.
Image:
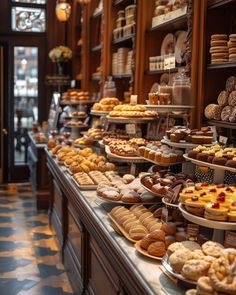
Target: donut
column 226, row 112
column 232, row 98
column 223, row 98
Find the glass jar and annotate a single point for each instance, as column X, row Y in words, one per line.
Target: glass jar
column 181, row 89
column 109, row 89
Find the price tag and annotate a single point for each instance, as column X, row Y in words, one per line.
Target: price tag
column 223, row 140
column 164, row 215
column 130, row 128
column 192, row 231
column 169, row 62
column 230, row 239
column 133, row 99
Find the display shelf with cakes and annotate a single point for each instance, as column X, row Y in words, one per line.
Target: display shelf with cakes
column 125, row 190
column 131, row 114
column 161, row 154
column 185, row 138
column 218, row 158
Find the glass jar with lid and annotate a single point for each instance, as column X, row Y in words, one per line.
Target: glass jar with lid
column 181, row 89
column 109, row 89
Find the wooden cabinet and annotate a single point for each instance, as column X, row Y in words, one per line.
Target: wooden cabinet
column 58, row 211
column 101, row 275
column 212, row 77
column 36, row 158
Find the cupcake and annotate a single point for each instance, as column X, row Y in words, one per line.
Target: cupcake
column 146, row 153
column 173, row 157
column 158, row 157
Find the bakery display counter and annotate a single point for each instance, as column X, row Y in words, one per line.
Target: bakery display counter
column 36, row 159
column 95, row 256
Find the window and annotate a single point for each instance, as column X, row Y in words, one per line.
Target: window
column 31, row 1
column 25, row 19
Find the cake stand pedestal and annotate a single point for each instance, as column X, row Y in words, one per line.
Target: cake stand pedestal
column 218, row 226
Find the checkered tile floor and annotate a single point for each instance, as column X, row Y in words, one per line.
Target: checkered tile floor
column 30, row 262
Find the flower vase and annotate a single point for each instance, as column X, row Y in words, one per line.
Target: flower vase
column 60, row 68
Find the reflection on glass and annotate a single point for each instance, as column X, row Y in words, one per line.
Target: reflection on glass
column 25, row 96
column 28, row 19
column 31, row 1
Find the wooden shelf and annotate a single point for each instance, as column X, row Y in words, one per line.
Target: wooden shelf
column 96, row 48
column 227, row 125
column 123, row 2
column 225, row 65
column 162, row 71
column 123, row 39
column 121, row 76
column 217, row 4
column 98, row 14
column 173, row 24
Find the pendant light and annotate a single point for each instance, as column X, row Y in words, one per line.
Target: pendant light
column 63, row 10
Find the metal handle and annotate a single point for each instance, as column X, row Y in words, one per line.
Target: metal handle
column 4, row 131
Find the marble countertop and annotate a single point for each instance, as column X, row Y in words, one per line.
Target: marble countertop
column 146, row 268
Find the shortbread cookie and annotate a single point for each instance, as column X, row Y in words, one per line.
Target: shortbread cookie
column 193, row 269
column 212, row 248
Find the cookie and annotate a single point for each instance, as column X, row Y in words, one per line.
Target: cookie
column 231, row 44
column 219, row 43
column 232, row 117
column 191, row 245
column 179, row 258
column 230, row 84
column 232, row 57
column 226, row 112
column 219, row 37
column 223, row 49
column 212, row 248
column 223, row 98
column 232, row 98
column 232, row 50
column 219, row 55
column 219, row 61
column 193, row 269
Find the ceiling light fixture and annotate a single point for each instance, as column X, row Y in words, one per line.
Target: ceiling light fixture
column 63, row 10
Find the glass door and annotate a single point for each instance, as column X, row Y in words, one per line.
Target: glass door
column 25, row 98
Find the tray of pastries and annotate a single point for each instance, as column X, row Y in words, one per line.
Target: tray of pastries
column 214, row 157
column 165, row 184
column 74, row 95
column 216, row 202
column 130, row 222
column 94, row 134
column 188, row 261
column 127, row 190
column 221, row 276
column 189, row 137
column 104, row 106
column 90, row 181
column 124, row 148
column 161, row 154
column 155, row 244
column 78, row 115
column 76, row 124
column 131, row 111
column 81, row 142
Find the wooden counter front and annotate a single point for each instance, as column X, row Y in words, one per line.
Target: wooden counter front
column 98, row 260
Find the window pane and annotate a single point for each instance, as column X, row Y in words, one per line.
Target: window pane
column 25, row 96
column 28, row 19
column 31, row 1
